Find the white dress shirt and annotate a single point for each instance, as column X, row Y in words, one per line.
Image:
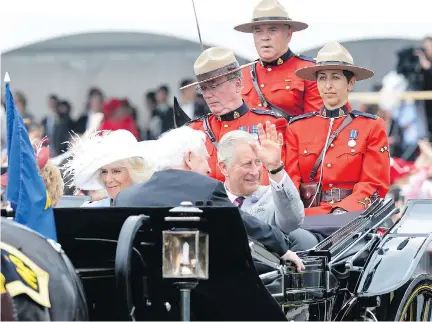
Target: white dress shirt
column 278, row 186
column 278, row 204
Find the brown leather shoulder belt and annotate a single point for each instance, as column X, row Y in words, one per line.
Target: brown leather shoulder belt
column 264, row 101
column 335, row 194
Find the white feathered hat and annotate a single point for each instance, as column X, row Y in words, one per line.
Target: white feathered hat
column 99, row 149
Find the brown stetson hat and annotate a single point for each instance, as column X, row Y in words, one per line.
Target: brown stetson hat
column 215, row 62
column 334, row 56
column 270, row 12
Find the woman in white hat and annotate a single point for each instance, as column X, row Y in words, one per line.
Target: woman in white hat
column 338, row 157
column 110, row 160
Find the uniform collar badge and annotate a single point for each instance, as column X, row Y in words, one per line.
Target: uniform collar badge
column 280, row 60
column 242, row 110
column 339, row 112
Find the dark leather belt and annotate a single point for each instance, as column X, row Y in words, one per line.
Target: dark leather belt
column 335, row 195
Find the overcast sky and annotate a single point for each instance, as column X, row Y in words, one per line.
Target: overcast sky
column 25, row 21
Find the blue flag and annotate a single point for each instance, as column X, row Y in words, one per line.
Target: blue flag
column 26, row 188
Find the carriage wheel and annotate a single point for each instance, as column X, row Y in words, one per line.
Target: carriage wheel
column 415, row 302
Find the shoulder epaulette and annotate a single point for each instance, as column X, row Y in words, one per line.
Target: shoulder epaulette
column 303, row 116
column 198, row 118
column 359, row 113
column 307, row 58
column 265, row 112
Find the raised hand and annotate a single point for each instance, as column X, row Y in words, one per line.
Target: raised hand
column 269, row 148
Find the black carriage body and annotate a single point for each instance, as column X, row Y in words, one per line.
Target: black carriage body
column 366, row 264
column 234, row 290
column 365, row 270
column 409, row 240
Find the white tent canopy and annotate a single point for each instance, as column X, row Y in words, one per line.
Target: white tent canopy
column 24, row 22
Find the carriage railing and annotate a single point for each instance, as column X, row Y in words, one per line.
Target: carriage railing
column 365, row 236
column 319, row 262
column 321, row 277
column 334, row 241
column 376, row 216
column 294, row 286
column 338, row 240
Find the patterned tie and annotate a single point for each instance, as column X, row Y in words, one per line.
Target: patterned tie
column 239, row 201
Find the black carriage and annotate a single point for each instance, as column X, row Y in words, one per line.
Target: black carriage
column 130, row 262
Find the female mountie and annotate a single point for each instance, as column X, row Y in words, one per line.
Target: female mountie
column 338, row 157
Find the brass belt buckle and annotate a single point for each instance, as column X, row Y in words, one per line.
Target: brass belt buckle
column 338, row 194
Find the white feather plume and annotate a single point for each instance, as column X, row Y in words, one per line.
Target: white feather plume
column 83, row 151
column 40, row 145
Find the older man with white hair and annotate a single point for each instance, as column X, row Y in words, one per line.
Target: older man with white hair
column 241, row 160
column 183, row 176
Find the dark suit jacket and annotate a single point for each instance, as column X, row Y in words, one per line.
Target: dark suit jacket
column 81, row 124
column 168, row 188
column 167, row 122
column 60, row 134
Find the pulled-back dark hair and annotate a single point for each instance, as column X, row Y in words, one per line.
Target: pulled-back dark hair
column 349, row 75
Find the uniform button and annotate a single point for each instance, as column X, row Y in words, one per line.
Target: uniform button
column 330, row 185
column 225, row 125
column 328, row 165
column 269, row 69
column 305, row 152
column 287, row 80
column 262, row 85
column 352, row 150
column 332, row 145
column 287, row 87
column 259, row 104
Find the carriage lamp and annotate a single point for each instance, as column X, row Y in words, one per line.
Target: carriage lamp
column 185, row 254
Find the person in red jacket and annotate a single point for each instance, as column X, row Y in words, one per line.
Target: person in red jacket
column 338, row 157
column 117, row 117
column 276, row 85
column 219, row 80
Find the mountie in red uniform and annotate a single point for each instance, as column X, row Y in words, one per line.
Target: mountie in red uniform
column 281, row 87
column 243, row 118
column 356, row 167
